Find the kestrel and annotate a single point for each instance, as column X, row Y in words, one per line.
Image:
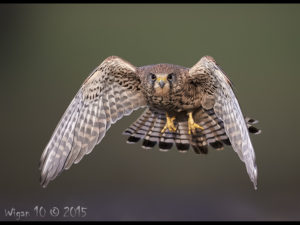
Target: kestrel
column 184, row 106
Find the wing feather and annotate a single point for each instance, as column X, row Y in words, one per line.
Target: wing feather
column 119, row 105
column 112, row 105
column 227, row 109
column 104, row 98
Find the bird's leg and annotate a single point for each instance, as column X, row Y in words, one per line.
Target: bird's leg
column 192, row 125
column 169, row 124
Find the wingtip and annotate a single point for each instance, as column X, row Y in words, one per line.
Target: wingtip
column 44, row 179
column 43, row 182
column 255, row 185
column 254, row 178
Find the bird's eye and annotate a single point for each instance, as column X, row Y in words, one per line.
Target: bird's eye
column 170, row 76
column 153, row 77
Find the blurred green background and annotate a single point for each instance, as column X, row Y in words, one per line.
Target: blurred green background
column 47, row 51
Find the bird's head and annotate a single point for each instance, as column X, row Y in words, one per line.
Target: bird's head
column 162, row 82
column 162, row 79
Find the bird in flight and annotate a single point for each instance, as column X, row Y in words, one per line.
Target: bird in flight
column 186, row 107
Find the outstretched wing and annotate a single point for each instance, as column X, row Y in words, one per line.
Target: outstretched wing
column 216, row 93
column 110, row 92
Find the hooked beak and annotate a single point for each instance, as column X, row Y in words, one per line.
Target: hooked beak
column 161, row 81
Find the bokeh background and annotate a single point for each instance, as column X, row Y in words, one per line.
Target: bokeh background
column 47, row 51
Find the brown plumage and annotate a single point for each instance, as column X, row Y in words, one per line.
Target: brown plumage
column 186, row 107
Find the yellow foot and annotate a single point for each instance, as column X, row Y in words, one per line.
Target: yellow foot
column 169, row 124
column 192, row 125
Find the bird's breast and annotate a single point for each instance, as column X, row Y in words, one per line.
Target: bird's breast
column 161, row 102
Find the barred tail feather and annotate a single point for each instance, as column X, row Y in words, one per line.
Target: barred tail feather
column 182, row 138
column 138, row 130
column 149, row 125
column 250, row 122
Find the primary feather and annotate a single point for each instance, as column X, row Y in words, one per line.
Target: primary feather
column 228, row 110
column 109, row 93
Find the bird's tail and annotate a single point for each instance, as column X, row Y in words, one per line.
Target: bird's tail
column 148, row 128
column 149, row 125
